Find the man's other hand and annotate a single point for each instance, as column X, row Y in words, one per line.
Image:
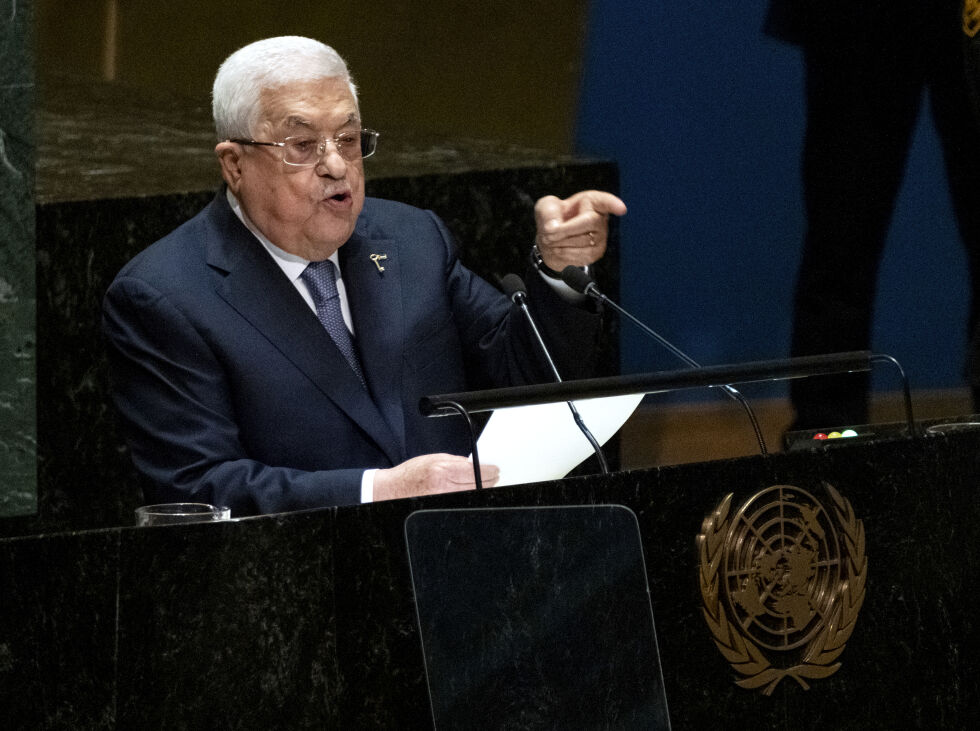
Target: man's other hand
column 429, row 474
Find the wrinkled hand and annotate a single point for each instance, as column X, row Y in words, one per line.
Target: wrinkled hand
column 575, row 230
column 429, row 474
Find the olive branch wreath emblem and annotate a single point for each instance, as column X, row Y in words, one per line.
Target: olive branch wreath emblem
column 819, row 659
column 971, row 17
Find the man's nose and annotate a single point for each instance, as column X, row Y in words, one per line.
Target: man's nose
column 330, row 161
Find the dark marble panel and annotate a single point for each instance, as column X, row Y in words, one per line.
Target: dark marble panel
column 229, row 625
column 378, row 648
column 307, row 620
column 57, row 631
column 17, row 380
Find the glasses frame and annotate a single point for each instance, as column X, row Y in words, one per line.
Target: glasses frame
column 369, row 138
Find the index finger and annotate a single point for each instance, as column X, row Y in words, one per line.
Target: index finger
column 600, row 201
column 577, row 211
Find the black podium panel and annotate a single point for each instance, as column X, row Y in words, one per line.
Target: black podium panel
column 536, row 618
column 308, row 621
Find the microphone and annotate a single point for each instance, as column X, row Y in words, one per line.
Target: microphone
column 515, row 290
column 581, row 282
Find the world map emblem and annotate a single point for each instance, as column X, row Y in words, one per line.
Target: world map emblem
column 782, row 582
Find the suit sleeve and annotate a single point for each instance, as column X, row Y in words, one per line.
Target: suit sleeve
column 170, row 389
column 500, row 347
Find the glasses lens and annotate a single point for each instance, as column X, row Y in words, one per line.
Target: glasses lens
column 369, row 142
column 350, row 145
column 300, row 150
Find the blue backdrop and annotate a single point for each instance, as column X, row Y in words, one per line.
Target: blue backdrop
column 705, row 116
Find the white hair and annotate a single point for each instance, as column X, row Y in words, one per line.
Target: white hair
column 267, row 64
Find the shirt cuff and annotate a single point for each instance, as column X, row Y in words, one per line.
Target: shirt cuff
column 367, row 486
column 563, row 290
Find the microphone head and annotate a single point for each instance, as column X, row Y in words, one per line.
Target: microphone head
column 513, row 287
column 577, row 279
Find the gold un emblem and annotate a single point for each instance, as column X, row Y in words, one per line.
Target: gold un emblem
column 782, row 583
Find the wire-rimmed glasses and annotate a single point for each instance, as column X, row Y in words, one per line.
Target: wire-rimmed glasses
column 306, row 150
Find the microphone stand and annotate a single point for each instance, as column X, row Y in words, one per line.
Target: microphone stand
column 582, row 282
column 513, row 284
column 462, row 411
column 758, row 371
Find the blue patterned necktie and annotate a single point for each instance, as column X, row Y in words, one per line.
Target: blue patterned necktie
column 321, row 280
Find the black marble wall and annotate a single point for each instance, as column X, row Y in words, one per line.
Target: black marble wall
column 17, row 427
column 307, row 620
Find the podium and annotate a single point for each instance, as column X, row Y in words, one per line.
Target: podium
column 819, row 588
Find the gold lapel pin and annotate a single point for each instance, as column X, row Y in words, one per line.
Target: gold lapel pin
column 376, row 258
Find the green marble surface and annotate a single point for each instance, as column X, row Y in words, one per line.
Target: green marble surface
column 17, row 300
column 100, row 140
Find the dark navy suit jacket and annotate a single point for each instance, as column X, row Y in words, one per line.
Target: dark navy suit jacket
column 232, row 393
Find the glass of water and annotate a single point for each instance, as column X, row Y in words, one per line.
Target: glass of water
column 175, row 513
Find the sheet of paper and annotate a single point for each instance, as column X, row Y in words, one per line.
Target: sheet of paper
column 534, row 443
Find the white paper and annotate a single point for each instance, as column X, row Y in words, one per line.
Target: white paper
column 535, row 443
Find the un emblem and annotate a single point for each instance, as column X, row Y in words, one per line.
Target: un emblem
column 782, row 582
column 971, row 17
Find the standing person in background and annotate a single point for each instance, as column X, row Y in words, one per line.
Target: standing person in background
column 868, row 63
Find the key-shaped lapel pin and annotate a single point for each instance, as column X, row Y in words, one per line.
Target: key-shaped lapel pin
column 376, row 258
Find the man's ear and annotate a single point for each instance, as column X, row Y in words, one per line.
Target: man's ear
column 230, row 158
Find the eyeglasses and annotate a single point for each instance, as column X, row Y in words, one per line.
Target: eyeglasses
column 306, row 150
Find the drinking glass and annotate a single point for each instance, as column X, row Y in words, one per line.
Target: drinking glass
column 175, row 513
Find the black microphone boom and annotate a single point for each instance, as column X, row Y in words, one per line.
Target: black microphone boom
column 514, row 288
column 581, row 282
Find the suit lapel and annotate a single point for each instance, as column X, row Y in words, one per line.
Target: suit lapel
column 375, row 299
column 255, row 286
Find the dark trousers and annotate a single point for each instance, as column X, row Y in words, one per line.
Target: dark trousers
column 864, row 92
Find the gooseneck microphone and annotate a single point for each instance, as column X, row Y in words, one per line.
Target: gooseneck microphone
column 514, row 288
column 581, row 282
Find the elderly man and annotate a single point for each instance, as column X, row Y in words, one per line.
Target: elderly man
column 269, row 354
